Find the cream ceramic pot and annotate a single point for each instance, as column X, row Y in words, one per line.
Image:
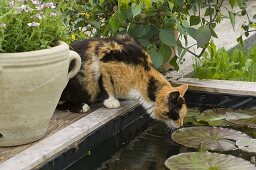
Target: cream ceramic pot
column 31, row 84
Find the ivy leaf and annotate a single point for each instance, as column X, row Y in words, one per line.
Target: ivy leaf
column 136, row 9
column 203, row 35
column 232, row 3
column 167, row 37
column 232, row 18
column 194, row 20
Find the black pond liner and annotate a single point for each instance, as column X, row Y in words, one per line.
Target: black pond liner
column 215, row 100
column 96, row 148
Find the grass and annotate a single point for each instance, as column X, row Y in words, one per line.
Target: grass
column 220, row 64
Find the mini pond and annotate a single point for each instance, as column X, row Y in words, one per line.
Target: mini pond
column 215, row 139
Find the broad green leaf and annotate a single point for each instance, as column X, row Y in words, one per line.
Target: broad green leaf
column 254, row 16
column 194, row 20
column 144, row 42
column 192, row 32
column 140, row 30
column 171, row 5
column 180, row 28
column 156, row 57
column 136, row 9
column 95, row 24
column 168, row 37
column 209, row 11
column 203, row 35
column 173, row 62
column 232, row 3
column 166, row 51
column 232, row 18
column 207, row 161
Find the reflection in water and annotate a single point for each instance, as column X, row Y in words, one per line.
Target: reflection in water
column 148, row 151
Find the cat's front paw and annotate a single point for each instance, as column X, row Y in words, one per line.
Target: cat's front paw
column 111, row 103
column 85, row 108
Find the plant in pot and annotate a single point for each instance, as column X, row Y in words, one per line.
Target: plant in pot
column 34, row 68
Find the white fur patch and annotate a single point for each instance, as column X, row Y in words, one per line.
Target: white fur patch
column 95, row 67
column 170, row 123
column 85, row 108
column 136, row 95
column 111, row 103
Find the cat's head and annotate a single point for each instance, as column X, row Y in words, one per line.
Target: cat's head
column 170, row 106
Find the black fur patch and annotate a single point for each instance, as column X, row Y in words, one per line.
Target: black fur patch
column 132, row 54
column 153, row 86
column 175, row 104
column 75, row 93
column 81, row 47
column 103, row 93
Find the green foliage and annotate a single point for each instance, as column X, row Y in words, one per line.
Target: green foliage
column 157, row 25
column 220, row 64
column 26, row 26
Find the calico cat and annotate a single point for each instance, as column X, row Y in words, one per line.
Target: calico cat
column 119, row 68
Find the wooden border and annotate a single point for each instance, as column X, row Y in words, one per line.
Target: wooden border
column 68, row 137
column 219, row 86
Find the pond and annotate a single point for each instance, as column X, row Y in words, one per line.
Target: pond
column 150, row 149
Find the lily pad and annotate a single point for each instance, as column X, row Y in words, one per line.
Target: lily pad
column 248, row 120
column 247, row 145
column 212, row 138
column 207, row 161
column 214, row 117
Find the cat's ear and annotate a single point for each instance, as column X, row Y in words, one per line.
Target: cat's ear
column 182, row 89
column 173, row 97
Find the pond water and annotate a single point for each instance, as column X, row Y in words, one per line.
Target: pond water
column 147, row 151
column 150, row 149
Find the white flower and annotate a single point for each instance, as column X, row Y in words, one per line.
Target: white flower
column 53, row 14
column 2, row 25
column 35, row 2
column 50, row 4
column 23, row 8
column 33, row 24
column 11, row 3
column 39, row 16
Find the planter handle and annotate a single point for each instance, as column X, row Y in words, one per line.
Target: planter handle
column 77, row 63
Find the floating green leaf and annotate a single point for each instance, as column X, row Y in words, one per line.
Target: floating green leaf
column 247, row 145
column 247, row 119
column 213, row 138
column 207, row 161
